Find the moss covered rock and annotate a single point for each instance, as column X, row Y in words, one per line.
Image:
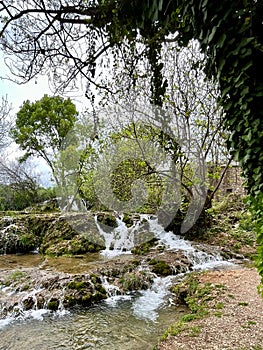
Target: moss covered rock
column 72, row 235
column 161, row 268
column 82, row 291
column 136, row 280
column 107, row 221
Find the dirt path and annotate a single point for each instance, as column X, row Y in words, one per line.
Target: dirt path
column 238, row 323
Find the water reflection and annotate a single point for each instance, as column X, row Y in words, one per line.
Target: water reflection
column 77, row 264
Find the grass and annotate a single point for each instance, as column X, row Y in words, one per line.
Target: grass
column 232, row 222
column 14, row 277
column 196, row 296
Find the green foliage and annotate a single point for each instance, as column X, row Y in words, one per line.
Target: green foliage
column 27, row 242
column 19, row 197
column 230, row 34
column 42, row 126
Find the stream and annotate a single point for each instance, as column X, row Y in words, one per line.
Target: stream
column 121, row 322
column 107, row 326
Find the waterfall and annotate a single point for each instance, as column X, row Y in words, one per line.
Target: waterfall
column 147, row 304
column 119, row 240
column 199, row 258
column 113, row 292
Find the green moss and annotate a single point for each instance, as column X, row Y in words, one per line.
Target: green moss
column 128, row 220
column 95, row 278
column 53, row 305
column 107, row 220
column 99, row 296
column 161, row 268
column 26, row 242
column 99, row 287
column 145, row 247
column 78, row 285
column 70, row 300
column 87, row 299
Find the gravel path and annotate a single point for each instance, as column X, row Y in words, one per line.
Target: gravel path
column 239, row 321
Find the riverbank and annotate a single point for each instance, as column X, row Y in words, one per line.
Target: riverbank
column 234, row 319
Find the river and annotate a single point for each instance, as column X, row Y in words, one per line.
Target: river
column 121, row 322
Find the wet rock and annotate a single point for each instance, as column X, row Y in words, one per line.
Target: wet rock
column 128, row 220
column 161, row 268
column 137, row 280
column 145, row 247
column 53, row 304
column 107, row 221
column 29, row 303
column 72, row 235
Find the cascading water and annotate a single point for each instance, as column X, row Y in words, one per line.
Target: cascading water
column 200, row 259
column 121, row 240
column 95, row 327
column 147, row 304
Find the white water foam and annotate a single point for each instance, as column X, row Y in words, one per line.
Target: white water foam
column 113, row 292
column 120, row 240
column 146, row 306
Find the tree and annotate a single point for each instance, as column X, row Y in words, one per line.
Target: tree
column 19, row 185
column 53, row 34
column 5, row 122
column 41, row 127
column 190, row 113
column 81, row 147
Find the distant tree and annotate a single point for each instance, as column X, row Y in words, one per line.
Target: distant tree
column 19, row 185
column 42, row 126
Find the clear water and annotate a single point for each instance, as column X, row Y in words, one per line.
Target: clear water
column 102, row 327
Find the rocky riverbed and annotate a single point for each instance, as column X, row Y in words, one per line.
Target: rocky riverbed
column 85, row 258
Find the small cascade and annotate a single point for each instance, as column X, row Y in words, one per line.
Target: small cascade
column 169, row 239
column 27, row 308
column 119, row 240
column 199, row 259
column 203, row 261
column 147, row 304
column 113, row 292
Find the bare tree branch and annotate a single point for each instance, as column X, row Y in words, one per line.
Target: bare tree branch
column 5, row 122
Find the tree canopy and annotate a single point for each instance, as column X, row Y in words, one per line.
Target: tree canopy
column 42, row 126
